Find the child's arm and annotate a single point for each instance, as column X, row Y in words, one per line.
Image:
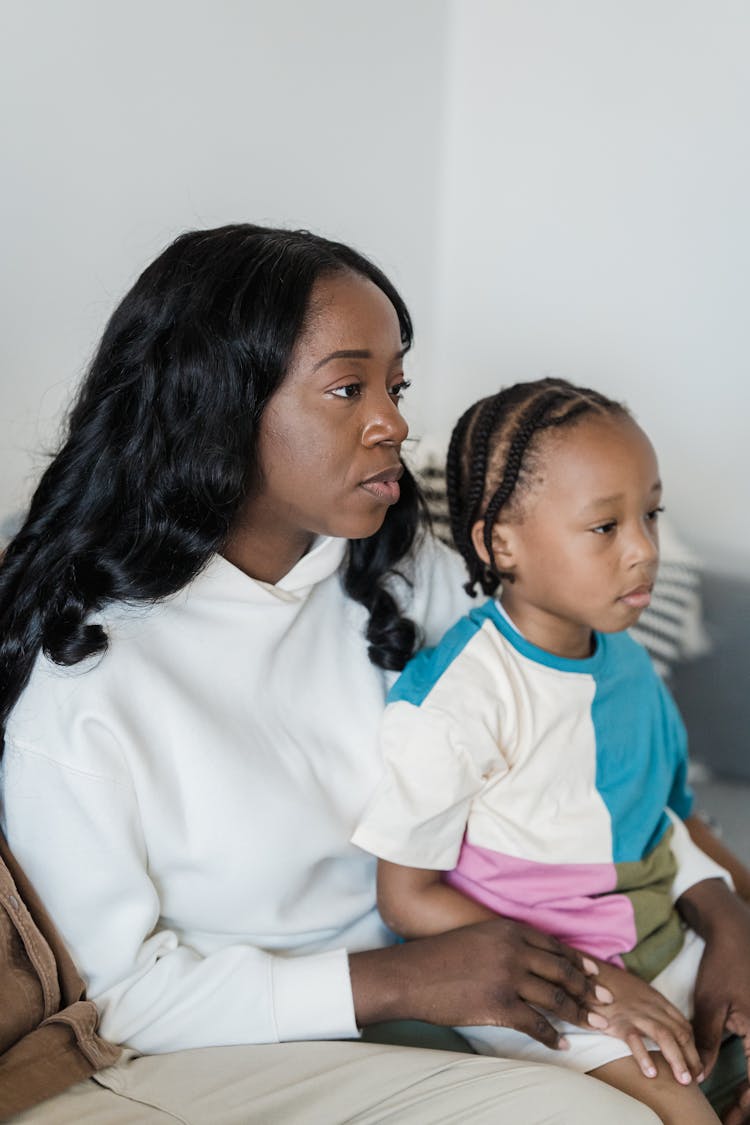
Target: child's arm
column 717, row 850
column 414, row 902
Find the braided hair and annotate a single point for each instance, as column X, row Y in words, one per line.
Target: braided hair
column 492, row 456
column 160, row 448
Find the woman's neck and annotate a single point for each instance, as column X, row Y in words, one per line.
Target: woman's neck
column 266, row 555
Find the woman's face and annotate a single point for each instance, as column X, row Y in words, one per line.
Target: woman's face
column 330, row 435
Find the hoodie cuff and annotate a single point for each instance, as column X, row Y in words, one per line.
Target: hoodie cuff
column 312, row 997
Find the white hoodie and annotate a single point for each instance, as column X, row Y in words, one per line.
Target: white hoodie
column 183, row 804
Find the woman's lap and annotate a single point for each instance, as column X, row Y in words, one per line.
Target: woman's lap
column 326, row 1083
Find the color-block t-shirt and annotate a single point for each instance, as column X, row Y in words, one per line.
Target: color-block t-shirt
column 546, row 787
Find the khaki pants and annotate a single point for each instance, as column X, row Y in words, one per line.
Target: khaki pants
column 333, row 1084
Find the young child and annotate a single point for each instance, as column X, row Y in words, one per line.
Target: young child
column 535, row 763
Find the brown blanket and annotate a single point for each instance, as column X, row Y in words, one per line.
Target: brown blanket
column 48, row 1036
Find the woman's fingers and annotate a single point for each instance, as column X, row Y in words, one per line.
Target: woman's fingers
column 552, row 978
column 549, row 944
column 553, row 998
column 739, row 1113
column 562, row 981
column 709, row 1018
column 573, row 991
column 532, row 1022
column 569, row 965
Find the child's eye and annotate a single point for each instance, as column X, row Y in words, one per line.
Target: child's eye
column 398, row 389
column 653, row 515
column 349, row 390
column 605, row 528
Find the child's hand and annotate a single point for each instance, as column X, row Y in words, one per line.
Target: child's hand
column 638, row 1010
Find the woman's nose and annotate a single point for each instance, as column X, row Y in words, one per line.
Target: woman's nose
column 385, row 423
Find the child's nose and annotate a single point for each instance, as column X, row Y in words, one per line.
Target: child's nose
column 644, row 545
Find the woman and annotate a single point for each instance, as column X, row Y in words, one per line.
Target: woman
column 198, row 619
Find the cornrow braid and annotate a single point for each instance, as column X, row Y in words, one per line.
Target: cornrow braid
column 478, row 422
column 531, row 420
column 453, row 481
column 492, row 440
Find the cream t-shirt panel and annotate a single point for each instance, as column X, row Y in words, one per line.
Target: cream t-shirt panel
column 418, row 814
column 500, row 747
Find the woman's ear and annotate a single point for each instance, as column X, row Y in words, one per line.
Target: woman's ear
column 503, row 546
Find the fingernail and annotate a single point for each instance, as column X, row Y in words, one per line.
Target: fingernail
column 563, row 1044
column 598, row 1021
column 590, row 966
column 650, row 1071
column 701, row 1077
column 603, row 994
column 686, row 1078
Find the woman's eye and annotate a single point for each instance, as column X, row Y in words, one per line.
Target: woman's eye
column 350, row 390
column 604, row 528
column 398, row 389
column 653, row 515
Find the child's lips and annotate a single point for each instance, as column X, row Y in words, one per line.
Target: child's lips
column 638, row 598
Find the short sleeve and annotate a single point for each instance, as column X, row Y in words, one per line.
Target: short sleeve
column 693, row 865
column 418, row 814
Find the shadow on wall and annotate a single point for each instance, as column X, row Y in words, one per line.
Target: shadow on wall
column 713, row 690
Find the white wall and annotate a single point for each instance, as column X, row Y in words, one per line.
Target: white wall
column 594, row 225
column 132, row 121
column 558, row 186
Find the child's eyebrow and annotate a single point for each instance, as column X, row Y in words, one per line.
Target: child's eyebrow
column 603, row 501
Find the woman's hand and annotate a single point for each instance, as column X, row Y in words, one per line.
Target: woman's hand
column 722, row 989
column 497, row 972
column 638, row 1010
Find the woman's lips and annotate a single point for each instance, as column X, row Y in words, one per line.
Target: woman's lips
column 384, row 486
column 640, row 598
column 386, row 490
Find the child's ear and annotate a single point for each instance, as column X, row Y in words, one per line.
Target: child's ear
column 503, row 545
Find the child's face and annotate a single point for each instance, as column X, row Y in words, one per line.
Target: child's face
column 585, row 550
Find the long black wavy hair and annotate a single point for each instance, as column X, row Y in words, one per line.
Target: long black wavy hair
column 160, row 448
